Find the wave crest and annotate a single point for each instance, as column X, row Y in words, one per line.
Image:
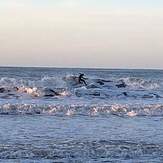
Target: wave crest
column 138, row 83
column 86, row 110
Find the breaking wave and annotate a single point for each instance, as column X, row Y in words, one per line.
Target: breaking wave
column 68, row 85
column 62, row 89
column 138, row 83
column 71, row 80
column 85, row 110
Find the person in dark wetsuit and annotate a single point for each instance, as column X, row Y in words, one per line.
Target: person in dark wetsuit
column 82, row 79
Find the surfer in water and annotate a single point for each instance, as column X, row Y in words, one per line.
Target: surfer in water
column 82, row 79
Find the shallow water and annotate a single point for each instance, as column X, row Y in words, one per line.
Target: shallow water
column 97, row 123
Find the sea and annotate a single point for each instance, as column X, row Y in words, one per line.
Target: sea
column 48, row 116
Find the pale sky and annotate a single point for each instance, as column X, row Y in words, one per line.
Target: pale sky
column 82, row 33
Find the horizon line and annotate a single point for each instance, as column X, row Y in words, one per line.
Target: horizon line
column 100, row 68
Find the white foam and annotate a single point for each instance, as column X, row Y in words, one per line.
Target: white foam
column 132, row 114
column 138, row 83
column 93, row 110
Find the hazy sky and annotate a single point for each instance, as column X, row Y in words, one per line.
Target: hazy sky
column 82, row 33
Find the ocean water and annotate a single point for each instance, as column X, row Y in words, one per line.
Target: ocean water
column 46, row 116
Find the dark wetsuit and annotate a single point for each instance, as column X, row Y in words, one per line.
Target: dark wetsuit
column 82, row 79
